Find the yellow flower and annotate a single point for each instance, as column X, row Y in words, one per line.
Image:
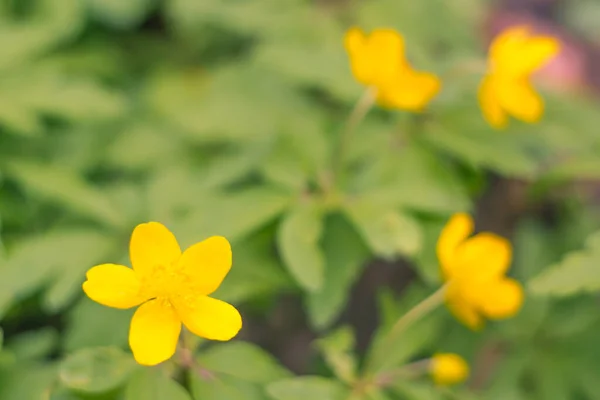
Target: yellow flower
column 514, row 55
column 475, row 270
column 378, row 61
column 448, row 369
column 171, row 288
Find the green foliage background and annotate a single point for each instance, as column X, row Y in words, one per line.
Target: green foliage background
column 222, row 117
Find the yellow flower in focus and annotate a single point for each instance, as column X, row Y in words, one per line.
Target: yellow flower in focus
column 475, row 270
column 514, row 56
column 378, row 61
column 170, row 287
column 448, row 369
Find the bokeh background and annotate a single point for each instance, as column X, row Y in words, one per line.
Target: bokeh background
column 221, row 117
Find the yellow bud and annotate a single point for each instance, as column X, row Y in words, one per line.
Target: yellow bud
column 448, row 369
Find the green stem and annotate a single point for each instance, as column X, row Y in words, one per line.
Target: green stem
column 413, row 315
column 408, row 371
column 360, row 110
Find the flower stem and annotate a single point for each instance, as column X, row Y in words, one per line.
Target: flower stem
column 382, row 348
column 408, row 371
column 358, row 113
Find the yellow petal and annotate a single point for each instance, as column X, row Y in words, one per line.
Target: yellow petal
column 503, row 299
column 506, row 46
column 205, row 265
column 152, row 247
column 520, row 100
column 454, row 233
column 410, row 91
column 209, row 318
column 154, row 332
column 376, row 58
column 537, row 52
column 462, row 309
column 113, row 286
column 484, row 257
column 517, row 53
column 490, row 105
column 448, row 369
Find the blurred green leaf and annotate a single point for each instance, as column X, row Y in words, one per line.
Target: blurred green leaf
column 338, row 350
column 211, row 387
column 417, row 391
column 26, row 381
column 96, row 370
column 345, row 255
column 415, row 338
column 52, row 22
column 153, row 384
column 577, row 272
column 307, row 387
column 144, row 146
column 259, row 271
column 412, row 178
column 120, row 14
column 298, row 242
column 458, row 20
column 388, row 232
column 246, row 211
column 426, row 261
column 244, row 361
column 34, row 344
column 59, row 258
column 64, row 187
column 202, row 106
column 90, row 324
column 474, row 143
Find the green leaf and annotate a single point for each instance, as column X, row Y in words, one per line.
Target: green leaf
column 25, row 381
column 93, row 325
column 259, row 273
column 388, row 232
column 298, row 242
column 338, row 348
column 417, row 391
column 144, row 146
column 413, row 178
column 60, row 257
column 120, row 14
column 426, row 262
column 96, row 370
column 473, row 142
column 153, row 384
column 243, row 360
column 64, row 187
column 246, row 211
column 34, row 344
column 211, row 387
column 577, row 272
column 83, row 249
column 419, row 336
column 345, row 255
column 307, row 387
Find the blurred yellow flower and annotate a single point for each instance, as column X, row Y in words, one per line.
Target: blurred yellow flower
column 378, row 61
column 448, row 369
column 171, row 287
column 475, row 269
column 506, row 90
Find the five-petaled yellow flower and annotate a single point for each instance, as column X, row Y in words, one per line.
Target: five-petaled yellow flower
column 172, row 287
column 514, row 56
column 378, row 61
column 474, row 269
column 448, row 369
